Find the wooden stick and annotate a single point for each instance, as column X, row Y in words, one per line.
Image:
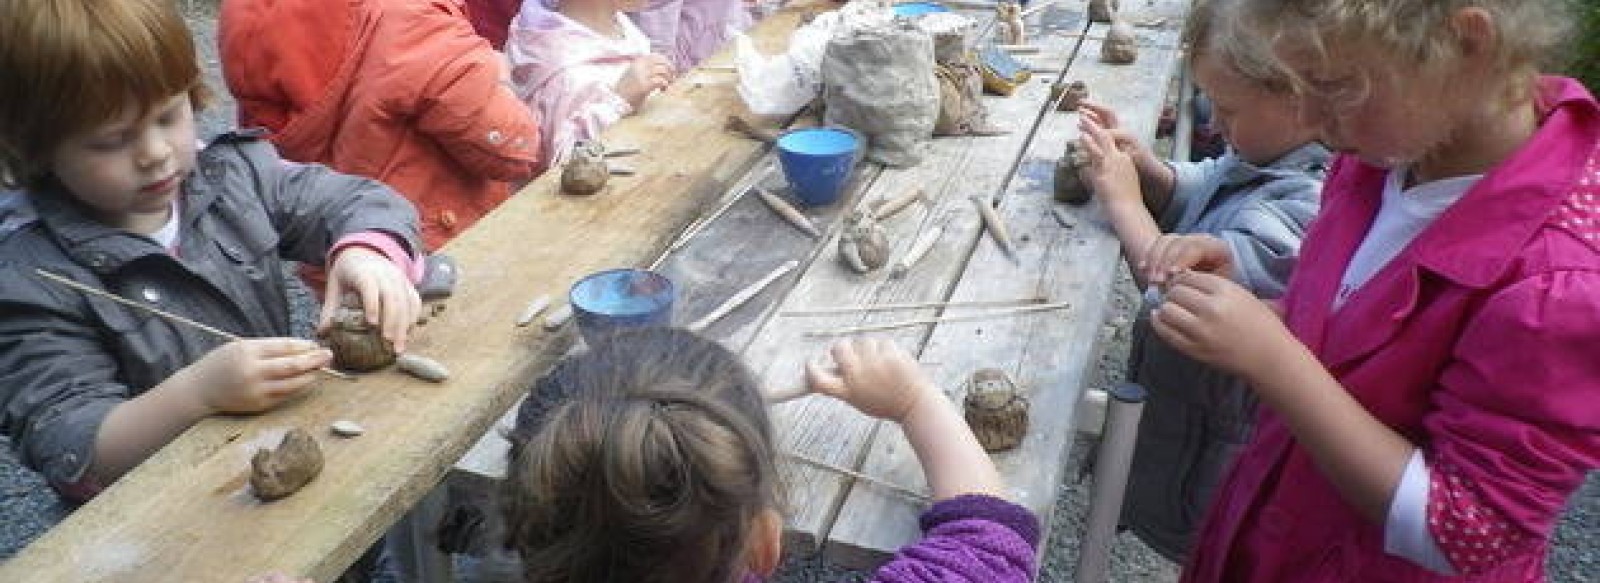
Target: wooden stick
column 1020, row 49
column 532, row 311
column 558, row 317
column 700, row 224
column 938, row 320
column 789, row 213
column 889, row 206
column 913, row 306
column 743, row 296
column 775, row 396
column 920, row 247
column 996, row 227
column 885, row 484
column 229, row 336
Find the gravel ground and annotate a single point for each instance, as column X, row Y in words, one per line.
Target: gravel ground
column 28, row 509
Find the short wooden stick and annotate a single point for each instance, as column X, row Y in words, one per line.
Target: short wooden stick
column 885, row 484
column 789, row 213
column 920, row 247
column 913, row 306
column 995, row 226
column 888, row 207
column 939, row 320
column 744, row 295
column 169, row 316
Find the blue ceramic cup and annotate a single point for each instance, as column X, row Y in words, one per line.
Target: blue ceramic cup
column 618, row 298
column 915, row 9
column 817, row 162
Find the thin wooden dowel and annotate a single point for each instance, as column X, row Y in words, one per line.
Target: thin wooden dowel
column 939, row 320
column 163, row 314
column 913, row 306
column 744, row 295
column 896, row 488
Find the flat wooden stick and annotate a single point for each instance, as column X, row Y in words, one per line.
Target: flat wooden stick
column 744, row 295
column 920, row 247
column 939, row 320
column 914, row 306
column 896, row 488
column 169, row 316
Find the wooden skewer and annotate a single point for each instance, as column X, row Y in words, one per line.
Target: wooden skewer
column 885, row 484
column 914, row 306
column 939, row 320
column 743, row 296
column 996, row 227
column 229, row 336
column 694, row 229
column 920, row 247
column 788, row 212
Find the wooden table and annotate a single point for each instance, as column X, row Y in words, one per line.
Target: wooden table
column 185, row 514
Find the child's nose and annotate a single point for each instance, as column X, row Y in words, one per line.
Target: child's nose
column 152, row 149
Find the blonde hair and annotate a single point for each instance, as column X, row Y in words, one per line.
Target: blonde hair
column 1417, row 33
column 647, row 459
column 67, row 66
column 1213, row 28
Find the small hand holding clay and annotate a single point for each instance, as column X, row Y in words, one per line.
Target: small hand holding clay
column 1111, row 172
column 1216, row 321
column 252, row 374
column 387, row 296
column 646, row 74
column 1172, row 254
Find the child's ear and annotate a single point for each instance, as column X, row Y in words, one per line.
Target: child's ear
column 1475, row 33
column 766, row 543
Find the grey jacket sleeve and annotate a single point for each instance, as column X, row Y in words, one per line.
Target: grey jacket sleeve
column 57, row 382
column 312, row 206
column 1193, row 184
column 1265, row 236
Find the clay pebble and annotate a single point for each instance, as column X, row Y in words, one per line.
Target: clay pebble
column 346, row 428
column 423, row 368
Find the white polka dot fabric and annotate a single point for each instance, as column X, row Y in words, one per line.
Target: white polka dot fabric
column 1580, row 214
column 1473, row 535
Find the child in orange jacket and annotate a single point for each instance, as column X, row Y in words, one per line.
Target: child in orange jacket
column 402, row 91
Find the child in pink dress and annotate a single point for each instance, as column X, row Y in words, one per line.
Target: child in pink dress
column 582, row 65
column 1430, row 387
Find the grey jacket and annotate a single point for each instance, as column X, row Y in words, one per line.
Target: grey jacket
column 67, row 358
column 1197, row 417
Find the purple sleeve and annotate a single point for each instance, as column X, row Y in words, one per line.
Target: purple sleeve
column 972, row 538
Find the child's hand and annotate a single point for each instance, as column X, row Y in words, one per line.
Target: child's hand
column 646, row 74
column 253, row 374
column 875, row 376
column 1172, row 254
column 1216, row 321
column 1111, row 173
column 387, row 296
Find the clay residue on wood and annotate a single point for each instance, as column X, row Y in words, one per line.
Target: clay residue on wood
column 277, row 473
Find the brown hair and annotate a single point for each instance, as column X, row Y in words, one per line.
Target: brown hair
column 67, row 66
column 645, row 459
column 1213, row 28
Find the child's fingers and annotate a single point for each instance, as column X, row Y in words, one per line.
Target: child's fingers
column 332, row 296
column 823, row 380
column 846, row 356
column 282, row 366
column 1173, row 323
column 279, row 389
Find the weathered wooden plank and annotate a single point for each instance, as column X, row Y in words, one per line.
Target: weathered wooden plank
column 185, row 514
column 831, row 431
column 1048, row 354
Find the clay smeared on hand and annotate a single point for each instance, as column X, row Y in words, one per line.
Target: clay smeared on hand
column 277, row 473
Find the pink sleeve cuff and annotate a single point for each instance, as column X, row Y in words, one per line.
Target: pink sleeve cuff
column 384, row 244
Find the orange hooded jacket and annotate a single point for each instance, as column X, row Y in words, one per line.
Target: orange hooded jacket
column 402, row 91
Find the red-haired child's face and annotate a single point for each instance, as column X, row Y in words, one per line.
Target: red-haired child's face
column 130, row 169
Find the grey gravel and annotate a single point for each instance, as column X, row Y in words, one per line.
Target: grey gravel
column 27, row 508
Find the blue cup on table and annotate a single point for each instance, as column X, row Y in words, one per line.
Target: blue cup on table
column 916, row 9
column 818, row 162
column 605, row 301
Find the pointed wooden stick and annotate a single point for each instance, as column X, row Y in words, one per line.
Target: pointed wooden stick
column 889, row 206
column 885, row 484
column 939, row 320
column 743, row 296
column 920, row 247
column 169, row 316
column 788, row 212
column 914, row 306
column 995, row 226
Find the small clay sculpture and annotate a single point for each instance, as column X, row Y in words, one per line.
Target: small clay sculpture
column 1070, row 187
column 423, row 368
column 1103, row 10
column 356, row 344
column 1008, row 15
column 277, row 473
column 1121, row 46
column 1069, row 96
column 586, row 170
column 864, row 244
column 996, row 410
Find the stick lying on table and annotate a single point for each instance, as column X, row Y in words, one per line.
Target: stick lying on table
column 913, row 306
column 898, row 489
column 742, row 296
column 169, row 316
column 939, row 320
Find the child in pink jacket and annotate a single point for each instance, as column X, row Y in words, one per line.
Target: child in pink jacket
column 581, row 65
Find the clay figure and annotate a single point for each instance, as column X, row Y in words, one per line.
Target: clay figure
column 1121, row 46
column 277, row 473
column 356, row 344
column 864, row 244
column 1009, row 16
column 996, row 410
column 586, row 171
column 1070, row 187
column 1069, row 96
column 1103, row 10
